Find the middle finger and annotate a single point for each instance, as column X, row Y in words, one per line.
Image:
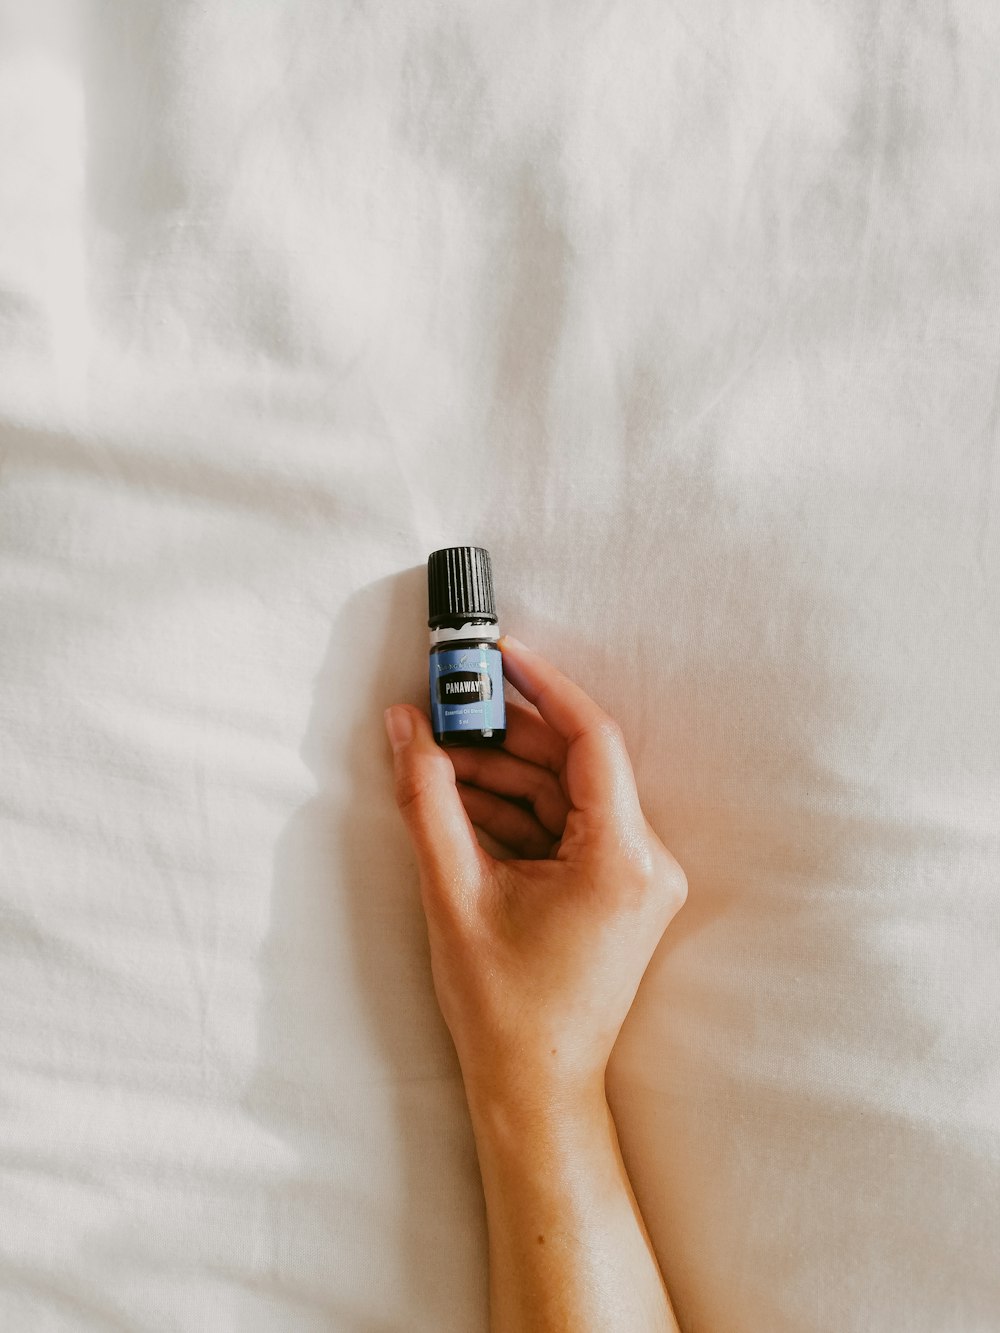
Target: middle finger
column 530, row 737
column 507, row 775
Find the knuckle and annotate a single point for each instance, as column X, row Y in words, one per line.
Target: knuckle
column 415, row 782
column 610, row 730
column 641, row 863
column 411, row 787
column 606, row 731
column 633, row 864
column 601, row 727
column 652, row 870
column 677, row 882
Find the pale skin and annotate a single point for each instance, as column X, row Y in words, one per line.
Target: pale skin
column 536, row 960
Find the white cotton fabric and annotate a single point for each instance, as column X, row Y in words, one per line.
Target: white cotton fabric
column 688, row 313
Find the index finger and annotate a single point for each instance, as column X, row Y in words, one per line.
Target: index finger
column 599, row 777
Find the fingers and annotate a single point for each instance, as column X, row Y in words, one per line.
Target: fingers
column 510, row 824
column 506, row 775
column 599, row 778
column 530, row 737
column 448, row 853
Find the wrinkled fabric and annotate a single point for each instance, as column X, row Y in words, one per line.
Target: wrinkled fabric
column 689, row 314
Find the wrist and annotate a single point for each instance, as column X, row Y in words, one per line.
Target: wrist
column 547, row 1155
column 504, row 1116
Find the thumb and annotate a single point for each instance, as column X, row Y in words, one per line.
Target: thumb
column 448, row 853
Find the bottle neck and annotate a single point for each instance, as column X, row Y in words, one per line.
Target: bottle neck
column 468, row 629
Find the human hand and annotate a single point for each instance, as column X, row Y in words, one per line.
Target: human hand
column 536, row 960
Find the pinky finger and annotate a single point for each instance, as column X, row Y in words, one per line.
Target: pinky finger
column 512, row 825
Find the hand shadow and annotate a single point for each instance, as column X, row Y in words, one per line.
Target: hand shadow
column 356, row 1068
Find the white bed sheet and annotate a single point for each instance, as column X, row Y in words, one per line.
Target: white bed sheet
column 689, row 314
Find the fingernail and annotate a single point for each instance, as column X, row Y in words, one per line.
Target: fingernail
column 509, row 638
column 398, row 726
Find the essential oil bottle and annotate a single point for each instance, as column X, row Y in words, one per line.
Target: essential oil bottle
column 466, row 666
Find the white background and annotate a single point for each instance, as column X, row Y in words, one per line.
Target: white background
column 689, row 313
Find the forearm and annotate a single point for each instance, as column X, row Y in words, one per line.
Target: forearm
column 568, row 1249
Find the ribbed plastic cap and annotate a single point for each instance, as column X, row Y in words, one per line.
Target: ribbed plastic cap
column 459, row 583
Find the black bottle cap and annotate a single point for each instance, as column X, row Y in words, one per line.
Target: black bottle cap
column 459, row 583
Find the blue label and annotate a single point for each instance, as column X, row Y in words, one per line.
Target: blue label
column 467, row 690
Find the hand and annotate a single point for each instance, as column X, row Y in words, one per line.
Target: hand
column 536, row 960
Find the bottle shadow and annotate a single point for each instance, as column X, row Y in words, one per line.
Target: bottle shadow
column 356, row 1070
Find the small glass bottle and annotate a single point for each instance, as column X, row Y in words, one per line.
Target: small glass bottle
column 466, row 666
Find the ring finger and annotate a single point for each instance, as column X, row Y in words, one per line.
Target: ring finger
column 509, row 824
